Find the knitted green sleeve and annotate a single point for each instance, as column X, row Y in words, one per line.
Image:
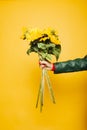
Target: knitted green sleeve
column 79, row 64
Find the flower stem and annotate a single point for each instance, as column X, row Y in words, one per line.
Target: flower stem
column 49, row 86
column 42, row 89
column 38, row 96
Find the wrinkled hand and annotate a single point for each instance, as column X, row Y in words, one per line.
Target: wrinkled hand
column 45, row 64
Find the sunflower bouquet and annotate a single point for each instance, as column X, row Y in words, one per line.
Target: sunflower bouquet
column 45, row 43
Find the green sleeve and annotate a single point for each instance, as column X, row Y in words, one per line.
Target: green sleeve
column 79, row 64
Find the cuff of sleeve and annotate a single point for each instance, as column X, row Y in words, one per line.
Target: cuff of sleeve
column 53, row 67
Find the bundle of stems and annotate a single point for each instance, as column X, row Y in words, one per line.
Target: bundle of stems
column 44, row 77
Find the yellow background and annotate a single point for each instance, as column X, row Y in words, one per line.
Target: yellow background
column 20, row 73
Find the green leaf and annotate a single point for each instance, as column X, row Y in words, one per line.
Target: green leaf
column 35, row 49
column 32, row 49
column 43, row 55
column 50, row 45
column 29, row 51
column 56, row 51
column 58, row 47
column 41, row 46
column 48, row 57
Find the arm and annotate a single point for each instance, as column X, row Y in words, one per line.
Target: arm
column 75, row 65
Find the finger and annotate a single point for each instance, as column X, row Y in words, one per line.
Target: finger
column 39, row 63
column 42, row 66
column 43, row 62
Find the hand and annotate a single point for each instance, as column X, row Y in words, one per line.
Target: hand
column 47, row 65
